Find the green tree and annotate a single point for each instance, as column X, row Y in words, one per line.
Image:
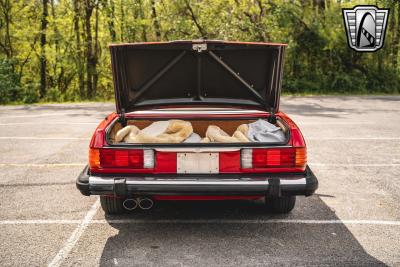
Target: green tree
column 58, row 50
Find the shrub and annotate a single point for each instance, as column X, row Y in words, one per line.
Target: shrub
column 31, row 94
column 10, row 87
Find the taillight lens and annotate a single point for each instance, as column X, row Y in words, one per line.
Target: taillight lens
column 274, row 158
column 301, row 157
column 94, row 158
column 110, row 158
column 121, row 158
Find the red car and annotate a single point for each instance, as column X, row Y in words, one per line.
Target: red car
column 197, row 120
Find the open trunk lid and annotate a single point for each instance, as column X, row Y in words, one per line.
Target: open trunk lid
column 197, row 72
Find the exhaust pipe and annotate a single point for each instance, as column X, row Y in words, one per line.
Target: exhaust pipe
column 130, row 204
column 146, row 203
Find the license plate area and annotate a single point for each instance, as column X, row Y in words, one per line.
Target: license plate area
column 197, row 162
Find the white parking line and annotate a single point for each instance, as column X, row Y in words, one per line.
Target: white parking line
column 354, row 164
column 47, row 115
column 335, row 123
column 42, row 138
column 47, row 123
column 23, row 222
column 88, row 221
column 40, row 165
column 353, row 138
column 76, row 234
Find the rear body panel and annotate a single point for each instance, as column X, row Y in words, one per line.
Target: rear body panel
column 164, row 179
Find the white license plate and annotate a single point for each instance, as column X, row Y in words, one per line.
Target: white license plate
column 197, row 162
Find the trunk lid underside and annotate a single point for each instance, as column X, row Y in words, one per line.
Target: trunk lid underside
column 197, row 72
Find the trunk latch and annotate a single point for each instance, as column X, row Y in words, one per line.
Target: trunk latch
column 199, row 47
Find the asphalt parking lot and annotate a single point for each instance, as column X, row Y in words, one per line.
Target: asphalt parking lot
column 354, row 219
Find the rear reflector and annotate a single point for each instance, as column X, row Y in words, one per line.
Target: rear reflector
column 274, row 158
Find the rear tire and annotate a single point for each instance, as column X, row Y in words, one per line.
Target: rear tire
column 284, row 204
column 111, row 205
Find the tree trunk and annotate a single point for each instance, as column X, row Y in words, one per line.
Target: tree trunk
column 43, row 27
column 122, row 21
column 89, row 48
column 195, row 21
column 96, row 51
column 6, row 46
column 111, row 18
column 141, row 15
column 78, row 56
column 396, row 38
column 58, row 72
column 156, row 24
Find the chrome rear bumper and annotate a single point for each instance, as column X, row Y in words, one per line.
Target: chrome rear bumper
column 261, row 184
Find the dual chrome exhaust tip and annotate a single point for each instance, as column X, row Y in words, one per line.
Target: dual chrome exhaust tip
column 130, row 204
column 143, row 203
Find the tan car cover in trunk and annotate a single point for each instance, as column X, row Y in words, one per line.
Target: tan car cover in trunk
column 216, row 134
column 172, row 131
column 177, row 131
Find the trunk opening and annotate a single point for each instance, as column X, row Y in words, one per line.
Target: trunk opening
column 200, row 126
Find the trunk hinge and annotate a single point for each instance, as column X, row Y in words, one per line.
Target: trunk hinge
column 122, row 118
column 272, row 117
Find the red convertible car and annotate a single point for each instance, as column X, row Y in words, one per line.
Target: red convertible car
column 197, row 120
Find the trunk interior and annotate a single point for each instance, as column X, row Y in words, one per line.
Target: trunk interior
column 199, row 127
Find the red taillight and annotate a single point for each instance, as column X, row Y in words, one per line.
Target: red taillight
column 288, row 158
column 263, row 158
column 121, row 158
column 110, row 158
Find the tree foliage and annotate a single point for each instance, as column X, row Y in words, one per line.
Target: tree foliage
column 56, row 50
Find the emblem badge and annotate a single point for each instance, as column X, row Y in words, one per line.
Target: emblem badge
column 365, row 27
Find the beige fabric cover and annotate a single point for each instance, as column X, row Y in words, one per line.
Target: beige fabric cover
column 156, row 128
column 216, row 134
column 205, row 140
column 172, row 131
column 128, row 132
column 177, row 131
